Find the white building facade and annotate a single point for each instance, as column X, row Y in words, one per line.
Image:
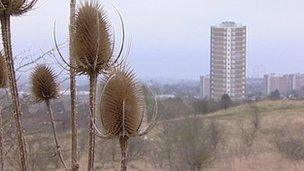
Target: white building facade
column 204, row 91
column 228, row 61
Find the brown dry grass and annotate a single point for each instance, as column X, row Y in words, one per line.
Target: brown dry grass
column 274, row 114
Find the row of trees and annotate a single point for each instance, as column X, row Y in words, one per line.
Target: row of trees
column 203, row 106
column 92, row 53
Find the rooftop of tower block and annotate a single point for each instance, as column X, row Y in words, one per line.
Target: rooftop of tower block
column 226, row 24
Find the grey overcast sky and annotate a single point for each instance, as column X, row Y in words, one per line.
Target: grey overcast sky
column 170, row 38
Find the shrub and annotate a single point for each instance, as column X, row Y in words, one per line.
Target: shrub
column 289, row 141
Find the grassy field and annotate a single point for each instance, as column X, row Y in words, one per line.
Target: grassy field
column 264, row 156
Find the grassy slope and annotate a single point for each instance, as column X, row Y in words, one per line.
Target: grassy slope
column 266, row 108
column 274, row 114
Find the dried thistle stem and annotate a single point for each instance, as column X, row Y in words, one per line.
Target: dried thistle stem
column 1, row 142
column 91, row 155
column 6, row 37
column 51, row 115
column 74, row 155
column 123, row 141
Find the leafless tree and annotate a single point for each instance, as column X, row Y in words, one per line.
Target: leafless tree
column 40, row 153
column 249, row 130
column 165, row 143
column 196, row 144
column 289, row 142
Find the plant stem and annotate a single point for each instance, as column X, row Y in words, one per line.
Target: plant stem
column 74, row 158
column 123, row 141
column 7, row 44
column 91, row 155
column 58, row 150
column 1, row 142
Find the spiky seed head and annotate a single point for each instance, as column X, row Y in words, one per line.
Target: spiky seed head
column 15, row 7
column 122, row 103
column 3, row 72
column 92, row 45
column 44, row 85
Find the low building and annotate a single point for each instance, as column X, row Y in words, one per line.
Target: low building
column 204, row 90
column 285, row 83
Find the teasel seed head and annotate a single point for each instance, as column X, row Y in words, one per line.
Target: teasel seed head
column 15, row 7
column 44, row 85
column 3, row 72
column 92, row 44
column 122, row 103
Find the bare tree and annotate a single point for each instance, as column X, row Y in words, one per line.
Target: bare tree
column 166, row 143
column 226, row 101
column 215, row 134
column 250, row 130
column 197, row 145
column 40, row 150
column 289, row 142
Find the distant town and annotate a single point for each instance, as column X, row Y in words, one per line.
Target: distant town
column 227, row 74
column 228, row 70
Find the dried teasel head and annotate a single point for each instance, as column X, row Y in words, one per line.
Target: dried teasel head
column 92, row 44
column 122, row 103
column 3, row 72
column 44, row 85
column 15, row 7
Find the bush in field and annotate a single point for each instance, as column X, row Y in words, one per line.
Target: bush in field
column 41, row 154
column 226, row 101
column 189, row 144
column 196, row 146
column 275, row 95
column 164, row 146
column 249, row 131
column 108, row 155
column 203, row 106
column 292, row 148
column 289, row 141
